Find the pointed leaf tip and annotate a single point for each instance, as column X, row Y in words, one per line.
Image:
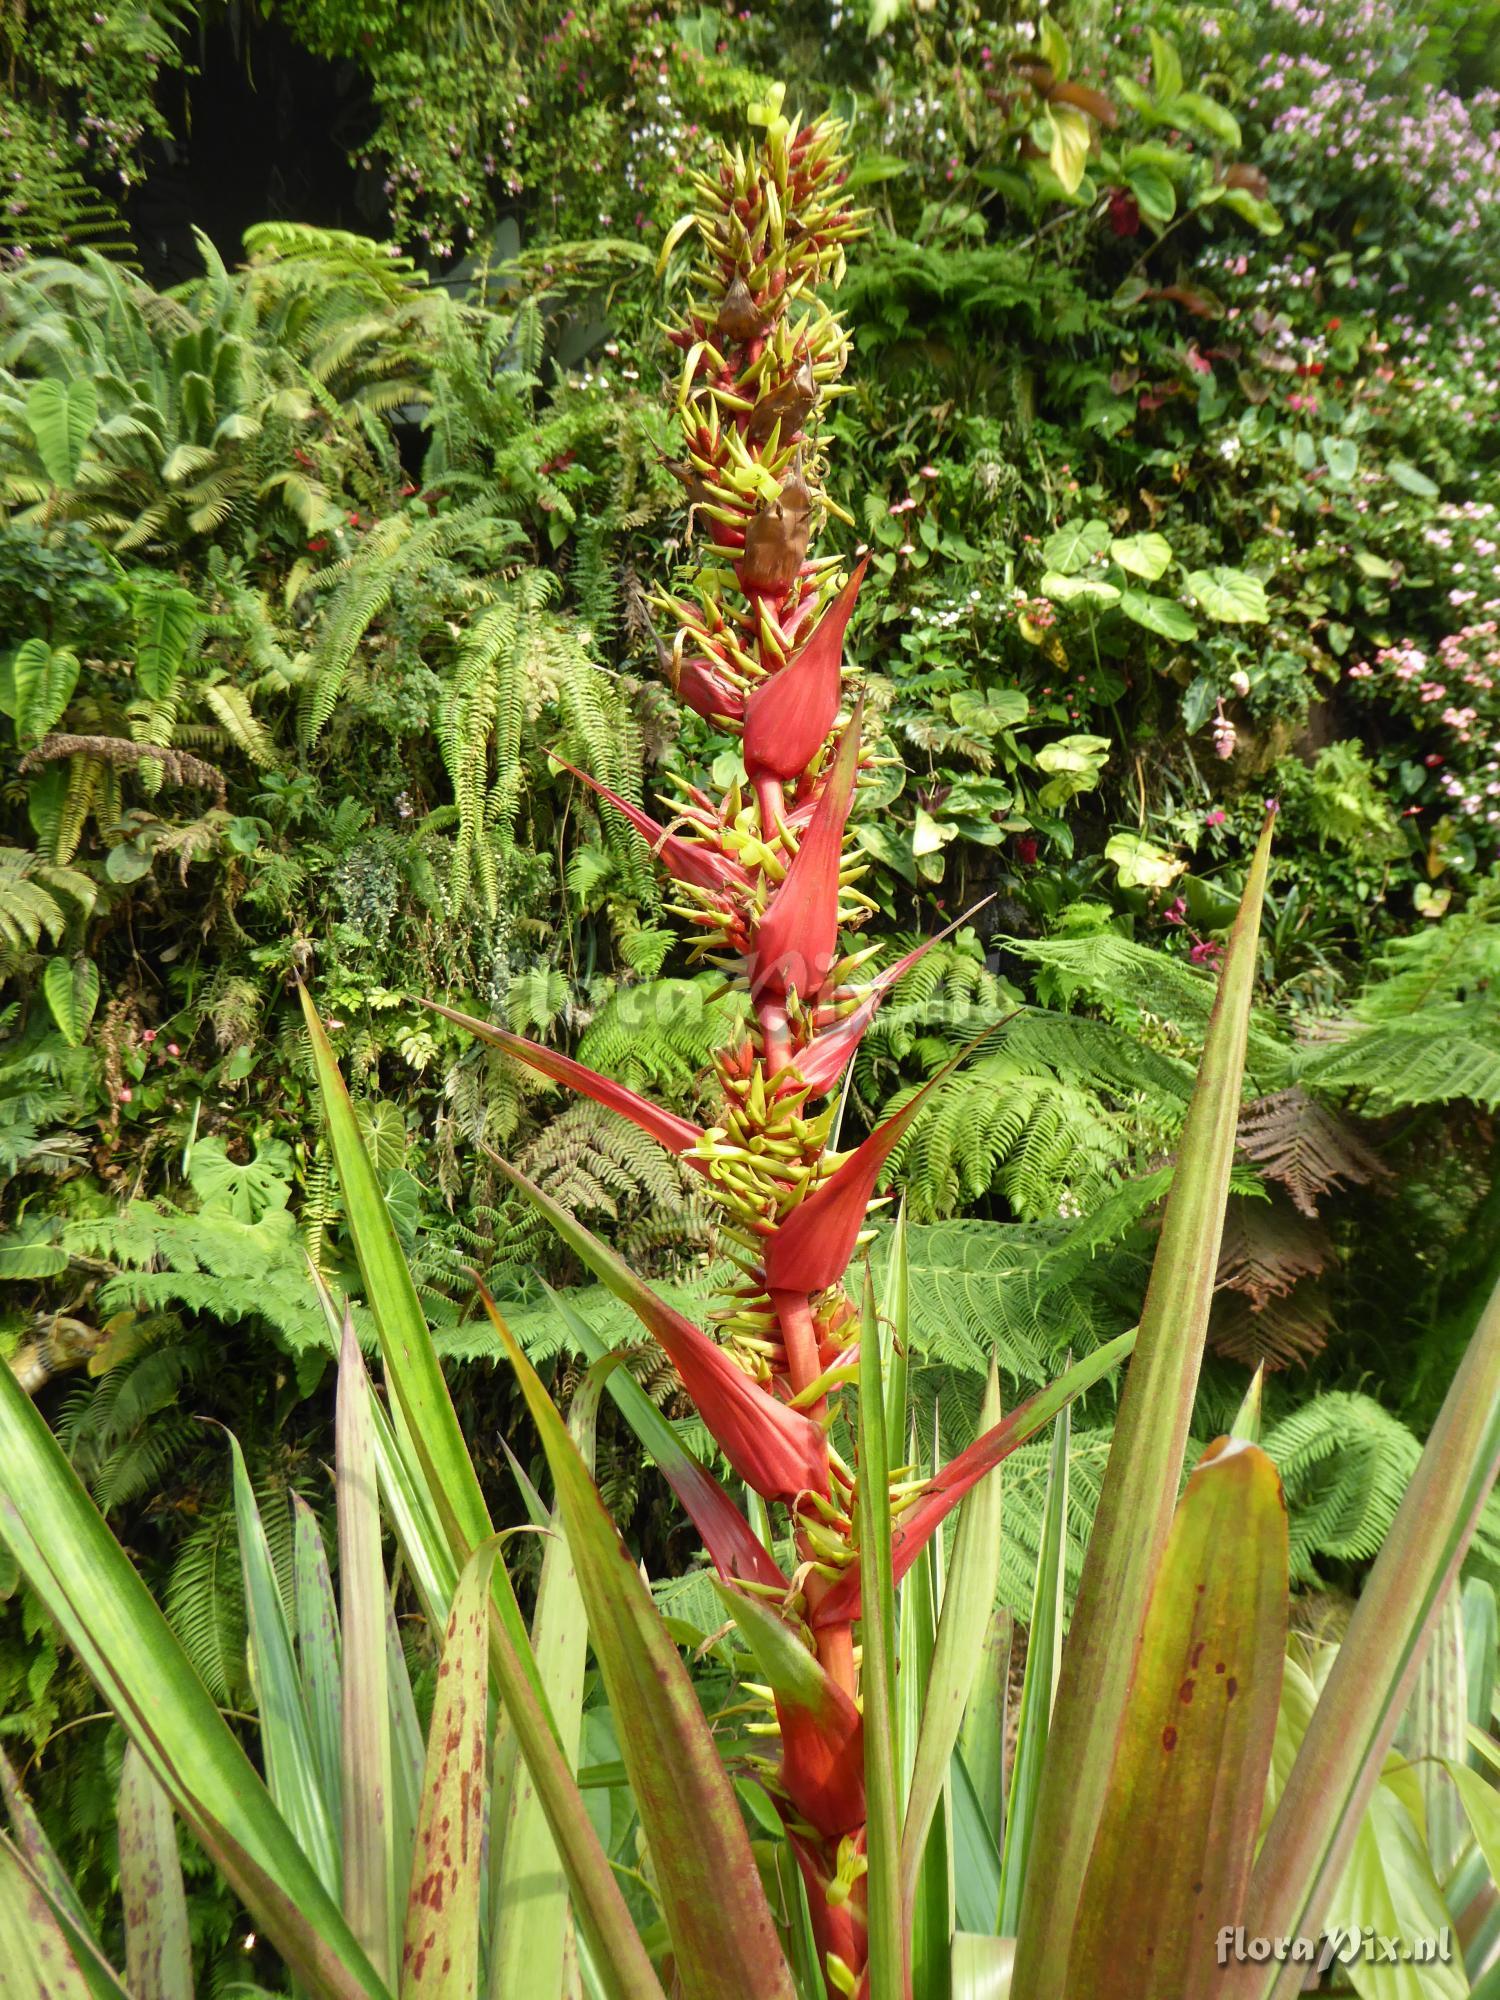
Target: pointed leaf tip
column 796, row 940
column 689, row 860
column 812, row 1247
column 678, row 1135
column 789, row 715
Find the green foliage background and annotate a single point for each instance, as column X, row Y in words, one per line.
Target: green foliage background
column 1171, row 427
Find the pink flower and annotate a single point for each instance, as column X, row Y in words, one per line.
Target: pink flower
column 173, row 1050
column 1215, row 818
column 148, row 1036
column 1206, row 952
column 930, row 472
column 126, row 1094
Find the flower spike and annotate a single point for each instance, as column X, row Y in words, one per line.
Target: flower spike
column 821, row 1063
column 812, row 1248
column 775, row 1450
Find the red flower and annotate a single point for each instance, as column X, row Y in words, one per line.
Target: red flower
column 1124, row 213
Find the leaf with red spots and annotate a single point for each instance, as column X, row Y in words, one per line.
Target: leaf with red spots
column 1190, row 1767
column 1134, row 1515
column 158, row 1955
column 440, row 1950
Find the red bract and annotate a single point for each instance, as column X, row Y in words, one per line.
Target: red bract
column 708, row 693
column 678, row 1135
column 788, row 717
column 822, row 1062
column 777, row 1451
column 812, row 1247
column 689, row 860
column 796, row 941
column 823, row 1761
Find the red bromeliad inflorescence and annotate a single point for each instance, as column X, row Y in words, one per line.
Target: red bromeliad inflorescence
column 766, row 875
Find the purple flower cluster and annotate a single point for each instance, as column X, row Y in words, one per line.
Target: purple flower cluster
column 1338, row 99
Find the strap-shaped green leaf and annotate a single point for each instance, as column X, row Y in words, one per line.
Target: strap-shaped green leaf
column 424, row 1420
column 1172, row 1860
column 1039, row 1683
column 968, row 1603
column 82, row 1576
column 371, row 1882
column 1338, row 1764
column 158, row 1955
column 887, row 1970
column 440, row 1947
column 1140, row 1485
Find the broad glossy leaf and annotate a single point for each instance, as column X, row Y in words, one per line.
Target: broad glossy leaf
column 1157, row 614
column 1080, row 590
column 1172, row 1858
column 1231, row 596
column 1074, row 546
column 1140, row 1487
column 62, row 416
column 1148, row 556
